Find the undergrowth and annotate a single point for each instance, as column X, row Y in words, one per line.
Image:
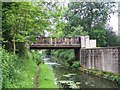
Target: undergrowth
column 67, row 55
column 20, row 72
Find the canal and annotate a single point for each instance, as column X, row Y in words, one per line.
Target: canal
column 69, row 78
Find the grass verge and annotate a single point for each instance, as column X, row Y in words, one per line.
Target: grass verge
column 27, row 72
column 46, row 78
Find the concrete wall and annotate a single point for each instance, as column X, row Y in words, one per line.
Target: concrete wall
column 87, row 43
column 106, row 59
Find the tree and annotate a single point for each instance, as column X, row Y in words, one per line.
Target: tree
column 92, row 16
column 25, row 20
column 111, row 38
column 57, row 11
column 15, row 18
column 77, row 31
column 118, row 40
column 100, row 36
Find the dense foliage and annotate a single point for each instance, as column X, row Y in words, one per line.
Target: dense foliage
column 20, row 72
column 8, row 66
column 92, row 17
column 23, row 21
column 1, row 78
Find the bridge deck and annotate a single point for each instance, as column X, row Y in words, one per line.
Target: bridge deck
column 38, row 46
column 55, row 43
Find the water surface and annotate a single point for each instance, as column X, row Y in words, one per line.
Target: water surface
column 85, row 80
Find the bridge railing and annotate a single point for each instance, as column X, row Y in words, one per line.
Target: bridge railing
column 57, row 41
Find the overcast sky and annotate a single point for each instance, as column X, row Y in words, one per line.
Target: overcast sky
column 114, row 21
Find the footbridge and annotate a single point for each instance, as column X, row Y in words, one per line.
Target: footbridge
column 85, row 50
column 75, row 43
column 56, row 43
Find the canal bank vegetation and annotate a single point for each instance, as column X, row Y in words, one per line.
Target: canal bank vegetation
column 20, row 72
column 67, row 56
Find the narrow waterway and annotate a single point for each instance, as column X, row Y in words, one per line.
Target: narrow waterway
column 66, row 77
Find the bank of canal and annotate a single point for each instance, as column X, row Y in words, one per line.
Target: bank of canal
column 66, row 77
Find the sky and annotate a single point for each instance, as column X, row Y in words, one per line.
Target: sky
column 114, row 21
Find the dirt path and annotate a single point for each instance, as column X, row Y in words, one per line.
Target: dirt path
column 37, row 77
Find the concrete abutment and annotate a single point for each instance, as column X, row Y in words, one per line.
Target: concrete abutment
column 101, row 58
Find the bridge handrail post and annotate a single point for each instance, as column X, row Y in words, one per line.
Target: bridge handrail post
column 67, row 41
column 51, row 41
column 75, row 40
column 37, row 40
column 42, row 40
column 79, row 40
column 55, row 41
column 71, row 41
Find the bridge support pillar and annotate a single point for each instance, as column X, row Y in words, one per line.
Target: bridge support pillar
column 77, row 53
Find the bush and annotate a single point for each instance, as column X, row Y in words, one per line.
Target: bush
column 9, row 71
column 76, row 65
column 61, row 55
column 64, row 54
column 13, row 66
column 37, row 57
column 1, row 79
